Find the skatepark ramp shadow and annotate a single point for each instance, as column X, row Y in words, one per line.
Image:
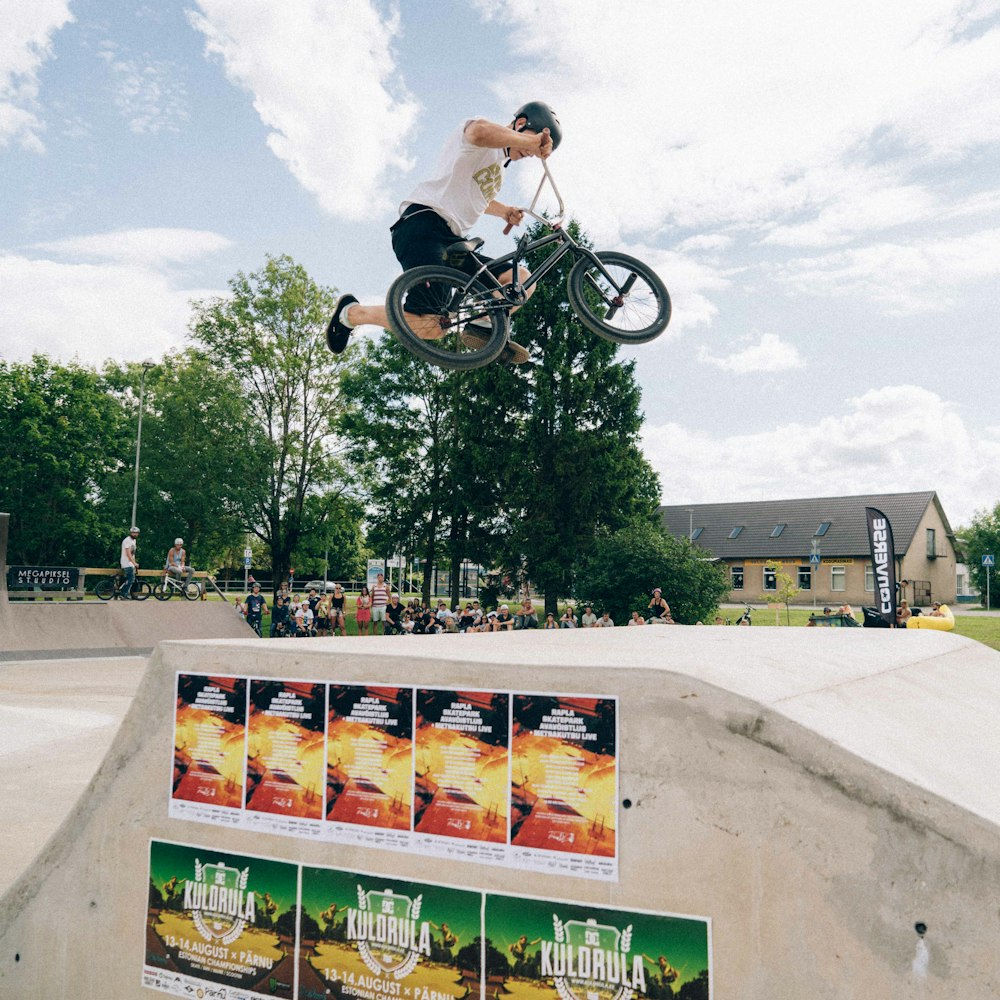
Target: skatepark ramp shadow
column 821, row 804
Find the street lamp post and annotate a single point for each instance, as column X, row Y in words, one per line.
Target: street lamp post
column 146, row 365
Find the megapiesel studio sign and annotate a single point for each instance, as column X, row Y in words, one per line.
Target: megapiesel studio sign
column 20, row 577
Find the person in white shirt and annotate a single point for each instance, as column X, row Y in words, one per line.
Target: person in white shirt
column 604, row 621
column 128, row 561
column 442, row 209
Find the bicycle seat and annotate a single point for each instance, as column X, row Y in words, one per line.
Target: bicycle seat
column 463, row 247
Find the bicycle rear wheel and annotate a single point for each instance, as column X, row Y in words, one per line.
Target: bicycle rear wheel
column 622, row 300
column 142, row 590
column 105, row 589
column 440, row 302
column 191, row 590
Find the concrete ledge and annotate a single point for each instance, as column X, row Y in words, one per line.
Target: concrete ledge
column 816, row 793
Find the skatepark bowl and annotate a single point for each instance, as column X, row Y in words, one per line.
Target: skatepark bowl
column 816, row 809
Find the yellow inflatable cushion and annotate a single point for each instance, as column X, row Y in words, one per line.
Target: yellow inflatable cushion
column 944, row 622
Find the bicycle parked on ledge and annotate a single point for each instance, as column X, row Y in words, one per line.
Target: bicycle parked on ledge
column 614, row 295
column 168, row 586
column 110, row 589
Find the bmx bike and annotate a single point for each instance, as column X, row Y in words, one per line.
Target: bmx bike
column 464, row 316
column 168, row 586
column 110, row 588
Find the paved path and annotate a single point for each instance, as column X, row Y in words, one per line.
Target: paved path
column 57, row 720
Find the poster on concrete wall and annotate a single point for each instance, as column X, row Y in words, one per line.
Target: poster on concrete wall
column 368, row 937
column 285, row 766
column 564, row 785
column 218, row 924
column 524, row 780
column 369, row 773
column 209, row 749
column 462, row 774
column 539, row 949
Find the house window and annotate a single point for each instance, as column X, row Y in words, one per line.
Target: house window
column 838, row 578
column 931, row 543
column 736, row 577
column 870, row 578
column 778, row 529
column 805, row 578
column 770, row 580
column 735, row 533
column 823, row 529
column 696, row 533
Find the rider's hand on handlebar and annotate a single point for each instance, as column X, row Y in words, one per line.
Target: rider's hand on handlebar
column 544, row 144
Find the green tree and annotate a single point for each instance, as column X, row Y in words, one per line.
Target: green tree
column 574, row 467
column 785, row 589
column 268, row 333
column 63, row 437
column 982, row 537
column 417, row 436
column 624, row 566
column 197, row 473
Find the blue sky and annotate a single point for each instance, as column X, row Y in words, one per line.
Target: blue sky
column 817, row 184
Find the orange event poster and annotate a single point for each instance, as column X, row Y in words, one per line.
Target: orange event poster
column 209, row 728
column 369, row 767
column 564, row 774
column 462, row 764
column 285, row 748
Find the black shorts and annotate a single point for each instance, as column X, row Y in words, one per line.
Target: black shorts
column 421, row 236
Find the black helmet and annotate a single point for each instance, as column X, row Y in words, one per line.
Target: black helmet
column 540, row 116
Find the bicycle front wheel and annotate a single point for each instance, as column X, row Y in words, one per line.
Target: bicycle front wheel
column 430, row 311
column 191, row 590
column 162, row 591
column 105, row 589
column 621, row 300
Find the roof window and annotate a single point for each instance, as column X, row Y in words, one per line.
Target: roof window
column 736, row 531
column 696, row 533
column 778, row 529
column 822, row 529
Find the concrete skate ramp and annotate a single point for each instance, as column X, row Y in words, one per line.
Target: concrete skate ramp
column 818, row 793
column 128, row 626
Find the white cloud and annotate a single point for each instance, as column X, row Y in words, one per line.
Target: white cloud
column 25, row 44
column 143, row 246
column 324, row 80
column 921, row 275
column 149, row 94
column 702, row 115
column 110, row 295
column 769, row 353
column 894, row 439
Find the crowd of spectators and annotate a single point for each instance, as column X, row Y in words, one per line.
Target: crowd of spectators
column 294, row 616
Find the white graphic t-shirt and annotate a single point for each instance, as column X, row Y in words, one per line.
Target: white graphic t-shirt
column 128, row 545
column 466, row 179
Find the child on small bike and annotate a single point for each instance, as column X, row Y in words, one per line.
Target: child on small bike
column 439, row 211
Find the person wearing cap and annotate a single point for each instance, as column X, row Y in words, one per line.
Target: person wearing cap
column 939, row 610
column 659, row 610
column 504, row 619
column 255, row 606
column 176, row 564
column 128, row 562
column 441, row 210
column 527, row 617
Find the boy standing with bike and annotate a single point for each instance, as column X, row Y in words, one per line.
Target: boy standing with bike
column 441, row 210
column 128, row 562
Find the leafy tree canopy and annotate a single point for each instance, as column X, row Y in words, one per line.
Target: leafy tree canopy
column 625, row 565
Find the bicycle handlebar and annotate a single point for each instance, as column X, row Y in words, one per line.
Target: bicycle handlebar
column 530, row 210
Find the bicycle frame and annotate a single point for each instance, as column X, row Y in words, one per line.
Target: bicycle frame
column 515, row 292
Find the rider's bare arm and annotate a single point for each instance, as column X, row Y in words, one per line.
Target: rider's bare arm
column 492, row 136
column 510, row 214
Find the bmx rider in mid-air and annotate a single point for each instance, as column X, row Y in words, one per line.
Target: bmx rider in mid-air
column 442, row 209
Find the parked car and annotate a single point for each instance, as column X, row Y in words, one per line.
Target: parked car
column 318, row 585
